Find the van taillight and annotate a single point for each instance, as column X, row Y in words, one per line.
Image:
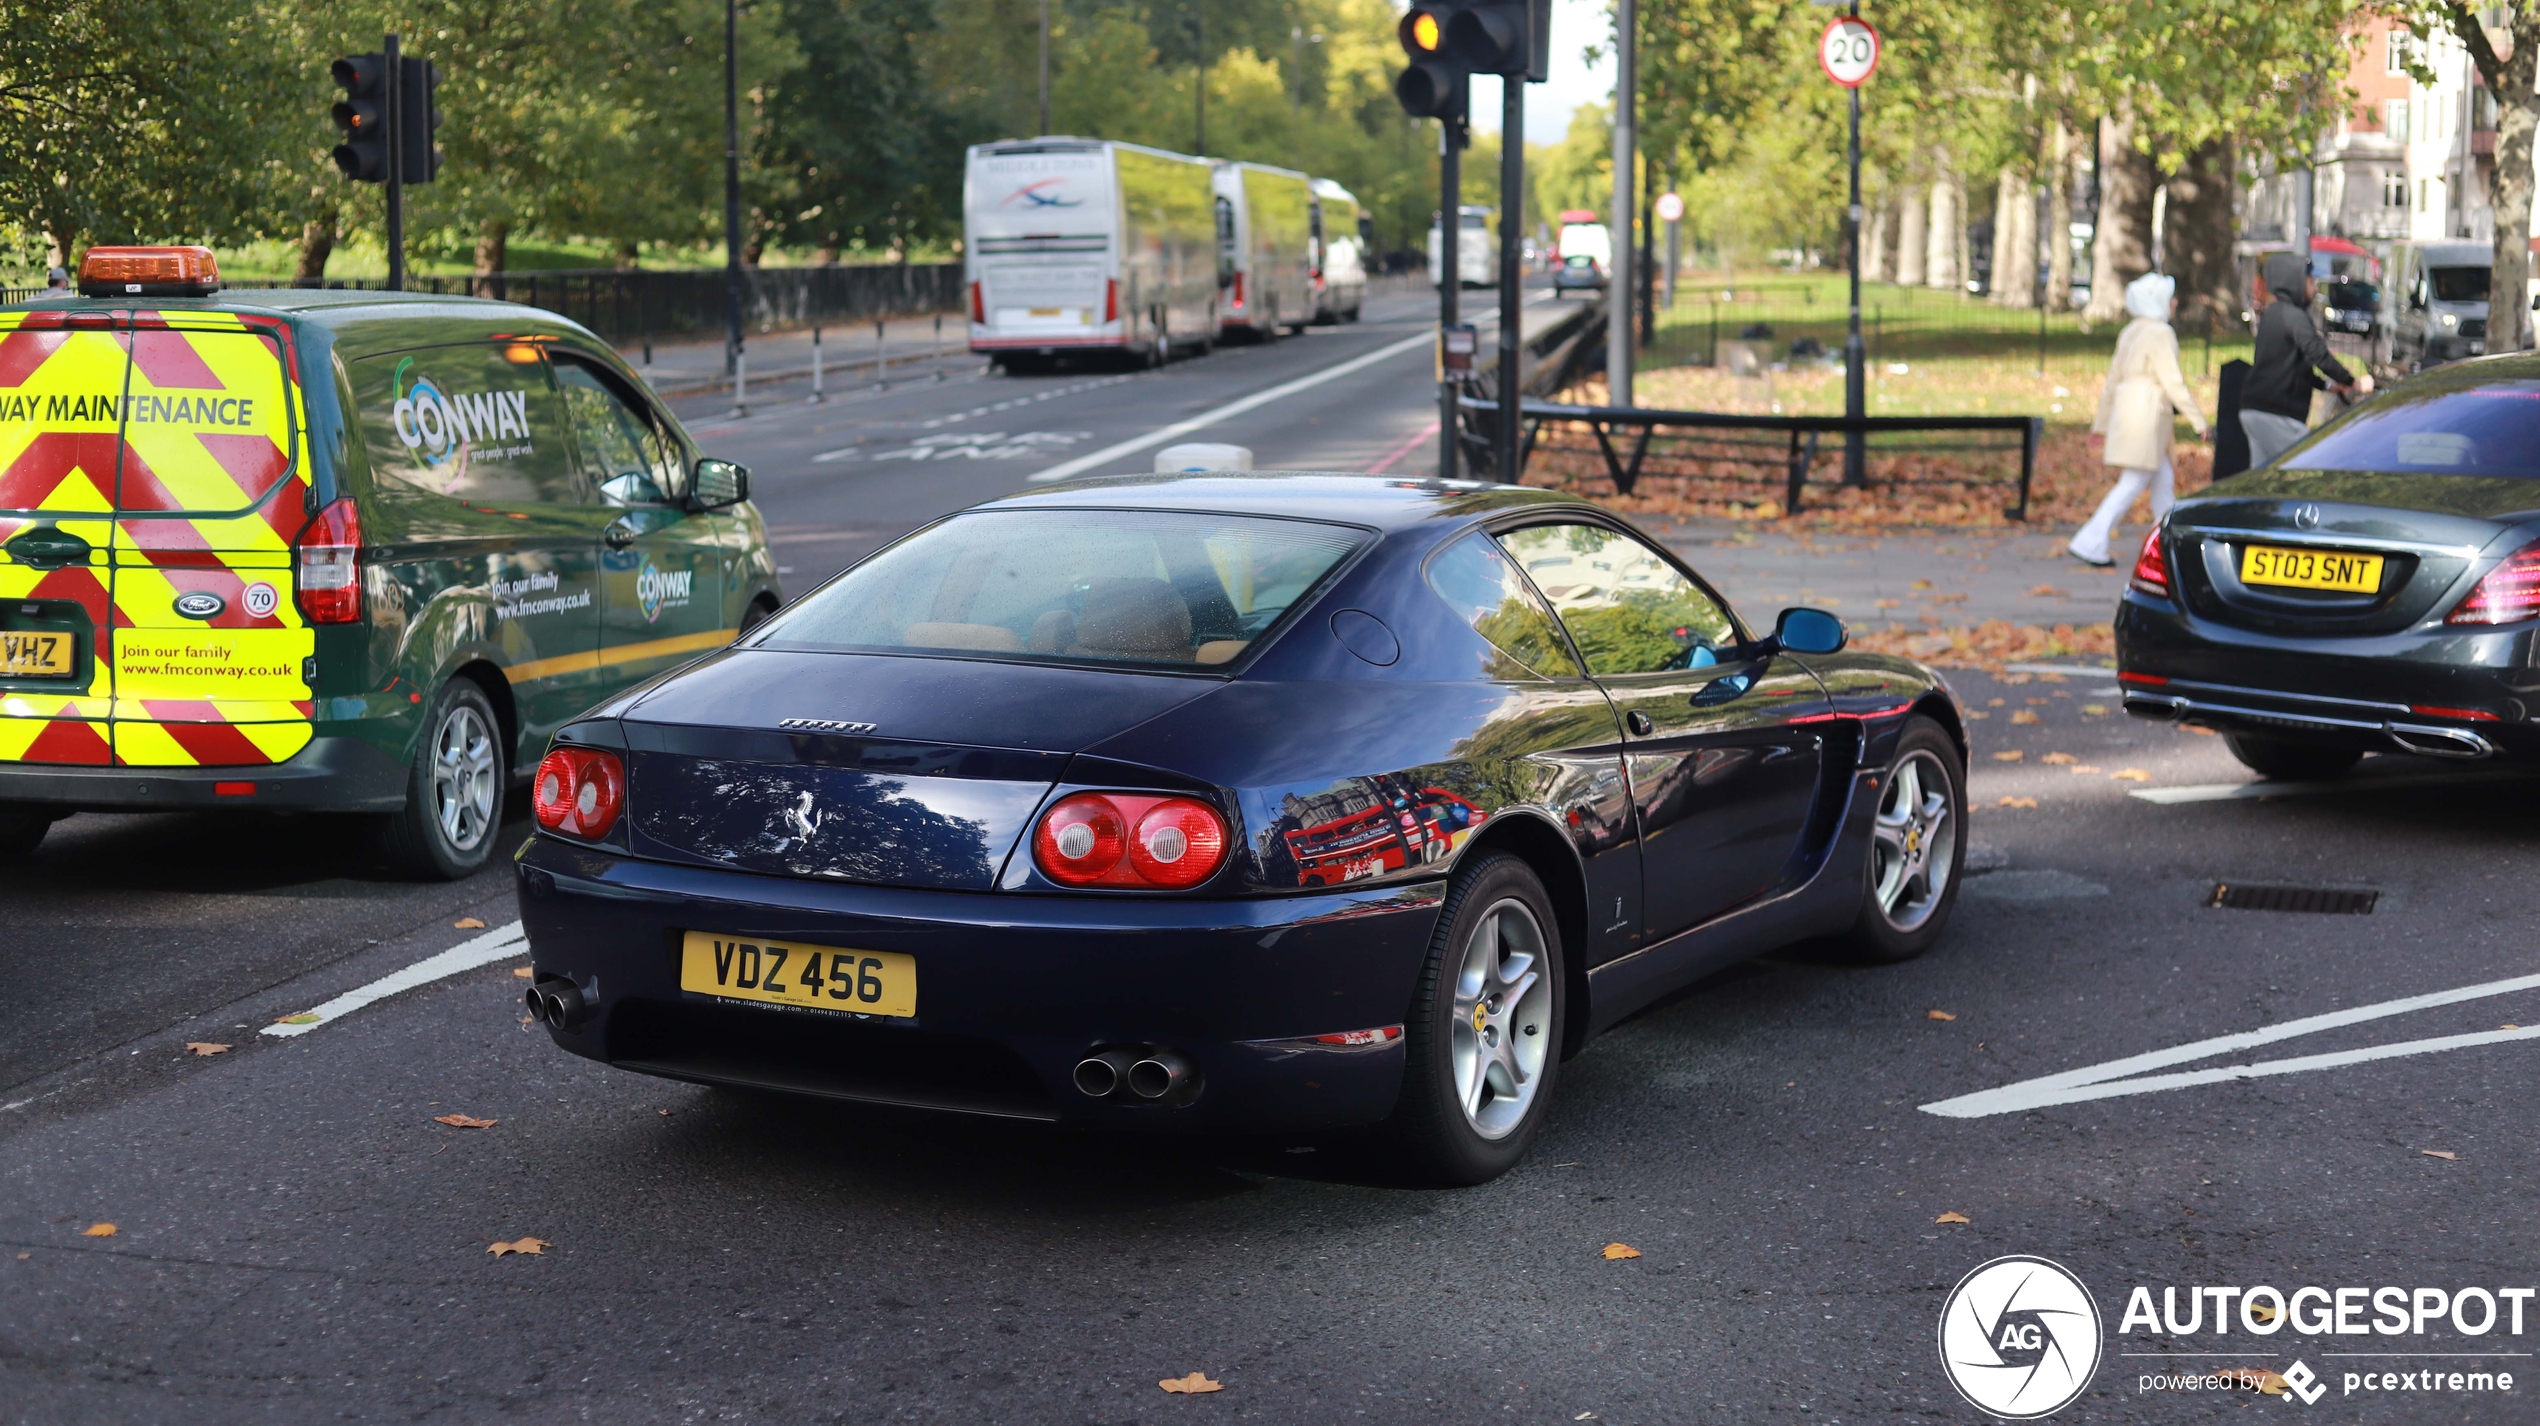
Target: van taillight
column 1239, row 291
column 1131, row 840
column 1111, row 300
column 329, row 559
column 579, row 792
column 978, row 304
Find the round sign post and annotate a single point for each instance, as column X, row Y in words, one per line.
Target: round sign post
column 1848, row 51
column 1671, row 207
column 1849, row 54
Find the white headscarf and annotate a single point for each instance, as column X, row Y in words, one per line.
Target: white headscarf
column 2149, row 296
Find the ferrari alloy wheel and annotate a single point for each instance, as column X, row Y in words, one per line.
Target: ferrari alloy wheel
column 1917, row 845
column 454, row 796
column 1482, row 1040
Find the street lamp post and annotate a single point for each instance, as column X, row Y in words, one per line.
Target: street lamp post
column 1618, row 281
column 734, row 358
column 1856, row 355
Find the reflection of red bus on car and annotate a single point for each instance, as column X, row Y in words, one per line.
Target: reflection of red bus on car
column 1408, row 827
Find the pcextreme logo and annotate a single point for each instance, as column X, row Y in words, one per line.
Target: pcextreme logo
column 2019, row 1338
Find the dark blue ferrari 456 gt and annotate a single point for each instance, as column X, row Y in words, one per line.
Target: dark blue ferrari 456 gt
column 1230, row 803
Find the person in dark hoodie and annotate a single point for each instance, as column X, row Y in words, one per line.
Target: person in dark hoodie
column 2275, row 399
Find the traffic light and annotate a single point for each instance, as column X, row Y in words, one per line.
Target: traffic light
column 417, row 117
column 1504, row 37
column 363, row 116
column 1433, row 87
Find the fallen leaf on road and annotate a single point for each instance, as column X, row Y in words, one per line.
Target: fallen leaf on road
column 2014, row 755
column 2017, row 802
column 2131, row 774
column 2085, row 767
column 98, row 1230
column 2048, row 591
column 204, row 1049
column 1978, row 713
column 2509, row 1027
column 1616, row 1252
column 1920, row 584
column 2062, row 759
column 1939, row 1015
column 2094, row 710
column 2038, row 702
column 464, row 1121
column 1953, row 1218
column 2024, row 717
column 467, row 923
column 2200, row 732
column 525, row 1245
column 1994, row 702
column 2444, row 1154
column 1890, row 603
column 2262, row 1314
column 1191, row 1385
column 520, row 972
column 303, row 1018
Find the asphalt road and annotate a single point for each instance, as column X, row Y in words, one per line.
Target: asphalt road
column 296, row 1238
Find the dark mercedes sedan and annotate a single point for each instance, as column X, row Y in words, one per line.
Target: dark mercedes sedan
column 1276, row 802
column 2377, row 589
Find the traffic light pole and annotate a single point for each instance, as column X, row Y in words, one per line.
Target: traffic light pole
column 1512, row 202
column 1450, row 282
column 396, row 182
column 735, row 357
column 1856, row 453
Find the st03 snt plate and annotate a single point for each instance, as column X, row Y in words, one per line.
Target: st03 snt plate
column 35, row 654
column 2311, row 569
column 789, row 973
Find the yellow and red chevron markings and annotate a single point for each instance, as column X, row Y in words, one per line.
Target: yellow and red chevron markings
column 172, row 443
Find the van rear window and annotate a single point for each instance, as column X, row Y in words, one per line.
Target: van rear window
column 1144, row 587
column 196, row 420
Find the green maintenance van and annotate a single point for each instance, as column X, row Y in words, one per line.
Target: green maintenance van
column 333, row 551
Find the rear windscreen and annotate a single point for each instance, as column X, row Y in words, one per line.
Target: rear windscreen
column 194, row 420
column 1072, row 586
column 2458, row 284
column 2488, row 428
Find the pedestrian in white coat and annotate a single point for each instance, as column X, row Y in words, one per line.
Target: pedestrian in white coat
column 2132, row 431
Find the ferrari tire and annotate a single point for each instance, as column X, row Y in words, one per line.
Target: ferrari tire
column 1918, row 847
column 454, row 791
column 1482, row 1039
column 2289, row 761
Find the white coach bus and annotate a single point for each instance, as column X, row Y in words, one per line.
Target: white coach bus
column 1476, row 250
column 1077, row 245
column 1265, row 243
column 1340, row 254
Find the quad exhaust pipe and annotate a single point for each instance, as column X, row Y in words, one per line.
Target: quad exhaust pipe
column 1146, row 1075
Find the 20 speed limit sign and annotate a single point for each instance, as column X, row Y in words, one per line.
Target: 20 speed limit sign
column 1848, row 51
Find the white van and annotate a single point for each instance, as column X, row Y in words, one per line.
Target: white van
column 1476, row 249
column 1584, row 258
column 1265, row 246
column 1076, row 245
column 1340, row 254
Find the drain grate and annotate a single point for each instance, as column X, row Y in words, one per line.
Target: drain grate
column 2326, row 900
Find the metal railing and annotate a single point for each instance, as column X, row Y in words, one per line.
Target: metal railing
column 1548, row 361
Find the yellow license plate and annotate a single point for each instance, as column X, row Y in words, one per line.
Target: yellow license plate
column 35, row 654
column 2310, row 569
column 788, row 973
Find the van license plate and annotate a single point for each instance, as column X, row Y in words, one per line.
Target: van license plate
column 2311, row 569
column 790, row 973
column 35, row 654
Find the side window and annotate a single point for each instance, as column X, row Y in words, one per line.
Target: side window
column 1626, row 607
column 1485, row 591
column 625, row 456
column 476, row 421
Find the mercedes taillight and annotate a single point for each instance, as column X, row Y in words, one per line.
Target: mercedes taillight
column 579, row 792
column 1129, row 840
column 2152, row 567
column 328, row 560
column 2509, row 594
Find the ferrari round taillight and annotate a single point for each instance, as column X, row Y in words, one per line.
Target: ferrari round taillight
column 1178, row 843
column 579, row 792
column 2508, row 594
column 2152, row 567
column 1136, row 841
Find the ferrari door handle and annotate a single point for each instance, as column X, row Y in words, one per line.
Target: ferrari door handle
column 1639, row 723
column 1722, row 689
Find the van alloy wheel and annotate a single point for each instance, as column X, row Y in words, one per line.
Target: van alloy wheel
column 465, row 778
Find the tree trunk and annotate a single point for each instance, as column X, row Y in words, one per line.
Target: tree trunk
column 493, row 246
column 2015, row 256
column 2121, row 238
column 1964, row 249
column 2196, row 238
column 629, row 253
column 2508, row 309
column 1912, row 227
column 63, row 236
column 1874, row 242
column 1943, row 233
column 2058, row 232
column 317, row 244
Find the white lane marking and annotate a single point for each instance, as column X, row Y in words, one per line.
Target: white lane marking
column 976, row 411
column 2062, row 668
column 498, row 944
column 1228, row 411
column 2261, row 789
column 2112, row 1079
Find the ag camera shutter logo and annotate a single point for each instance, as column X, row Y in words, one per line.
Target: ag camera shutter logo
column 2020, row 1338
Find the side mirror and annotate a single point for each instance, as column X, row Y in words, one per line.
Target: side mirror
column 717, row 485
column 1809, row 631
